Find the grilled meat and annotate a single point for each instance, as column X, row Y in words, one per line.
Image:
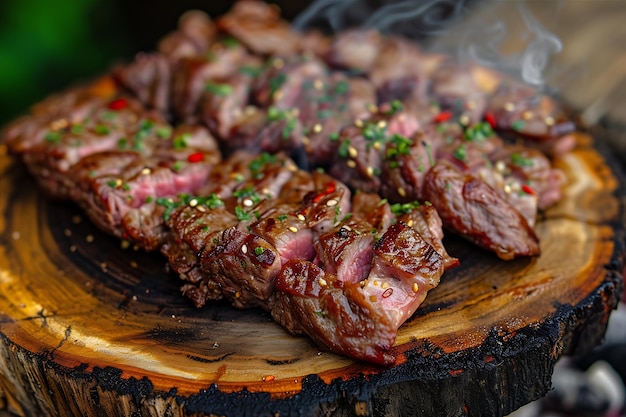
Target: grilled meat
column 311, row 176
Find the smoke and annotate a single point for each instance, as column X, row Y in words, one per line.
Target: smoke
column 410, row 18
column 536, row 56
column 474, row 31
column 333, row 12
column 518, row 45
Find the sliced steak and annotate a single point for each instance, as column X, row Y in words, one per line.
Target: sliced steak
column 245, row 267
column 359, row 319
column 474, row 210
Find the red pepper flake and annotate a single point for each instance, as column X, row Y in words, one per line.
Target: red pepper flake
column 455, row 372
column 526, row 188
column 491, row 119
column 444, row 116
column 118, row 104
column 330, row 188
column 196, row 157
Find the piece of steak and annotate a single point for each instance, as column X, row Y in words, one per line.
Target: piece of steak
column 474, row 210
column 359, row 319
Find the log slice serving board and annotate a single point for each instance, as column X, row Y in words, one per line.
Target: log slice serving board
column 91, row 328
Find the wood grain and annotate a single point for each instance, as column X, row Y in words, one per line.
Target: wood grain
column 89, row 327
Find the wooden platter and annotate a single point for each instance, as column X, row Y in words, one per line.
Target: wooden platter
column 93, row 328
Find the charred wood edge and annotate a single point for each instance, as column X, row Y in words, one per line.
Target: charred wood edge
column 504, row 373
column 427, row 384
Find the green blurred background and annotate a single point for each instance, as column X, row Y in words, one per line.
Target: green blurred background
column 46, row 45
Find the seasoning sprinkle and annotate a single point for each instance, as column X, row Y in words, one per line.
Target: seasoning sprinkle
column 351, row 164
column 293, row 229
column 244, row 248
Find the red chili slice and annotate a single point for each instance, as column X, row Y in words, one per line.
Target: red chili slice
column 491, row 119
column 526, row 188
column 196, row 157
column 444, row 116
column 118, row 104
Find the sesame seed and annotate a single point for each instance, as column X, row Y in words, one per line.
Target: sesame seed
column 293, row 229
column 278, row 63
column 401, row 192
column 124, row 244
column 410, row 223
column 346, row 228
column 58, row 124
column 464, row 120
column 244, row 248
column 507, row 189
column 350, row 163
column 322, row 282
column 278, row 94
column 237, row 294
column 376, row 283
column 372, row 108
column 318, row 84
column 193, row 202
column 301, row 217
column 527, row 115
column 382, row 124
column 332, row 203
column 362, row 283
column 248, row 203
column 352, row 151
column 385, row 285
column 500, row 166
column 306, row 141
column 509, row 106
column 201, row 209
column 415, row 287
column 89, row 238
column 268, row 378
column 376, row 145
column 317, row 128
column 370, row 171
column 549, row 120
column 146, row 171
column 358, row 123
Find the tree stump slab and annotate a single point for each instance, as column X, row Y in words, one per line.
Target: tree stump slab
column 89, row 327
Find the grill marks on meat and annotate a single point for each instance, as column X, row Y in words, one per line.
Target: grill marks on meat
column 358, row 310
column 471, row 208
column 409, row 141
